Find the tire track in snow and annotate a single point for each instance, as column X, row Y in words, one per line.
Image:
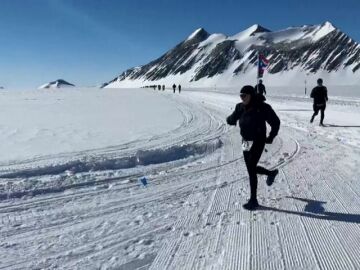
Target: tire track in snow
column 201, row 129
column 326, row 244
column 345, row 233
column 210, row 244
column 181, row 258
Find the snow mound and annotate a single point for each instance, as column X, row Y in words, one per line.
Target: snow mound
column 141, row 158
column 57, row 84
column 71, row 168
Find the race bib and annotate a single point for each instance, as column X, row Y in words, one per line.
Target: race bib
column 246, row 145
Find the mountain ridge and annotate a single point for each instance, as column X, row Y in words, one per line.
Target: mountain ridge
column 308, row 49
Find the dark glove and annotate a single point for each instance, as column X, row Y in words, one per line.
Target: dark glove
column 269, row 140
column 230, row 121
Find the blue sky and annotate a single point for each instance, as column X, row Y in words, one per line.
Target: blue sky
column 87, row 42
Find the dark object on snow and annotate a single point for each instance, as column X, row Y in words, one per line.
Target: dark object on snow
column 174, row 87
column 179, row 87
column 143, row 181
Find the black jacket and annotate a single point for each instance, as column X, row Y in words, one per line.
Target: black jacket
column 260, row 89
column 319, row 94
column 252, row 120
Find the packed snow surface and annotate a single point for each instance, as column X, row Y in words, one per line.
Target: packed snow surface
column 70, row 195
column 49, row 122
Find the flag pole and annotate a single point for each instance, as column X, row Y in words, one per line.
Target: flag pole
column 257, row 77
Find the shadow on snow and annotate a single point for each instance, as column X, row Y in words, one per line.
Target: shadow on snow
column 344, row 126
column 295, row 110
column 315, row 209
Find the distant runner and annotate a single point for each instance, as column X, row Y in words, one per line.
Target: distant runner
column 260, row 88
column 319, row 94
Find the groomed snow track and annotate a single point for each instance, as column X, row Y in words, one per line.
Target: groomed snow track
column 88, row 210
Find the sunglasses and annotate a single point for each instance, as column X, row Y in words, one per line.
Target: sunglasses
column 243, row 95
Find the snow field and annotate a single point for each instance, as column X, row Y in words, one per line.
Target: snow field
column 190, row 215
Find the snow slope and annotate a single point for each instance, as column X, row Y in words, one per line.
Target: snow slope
column 87, row 209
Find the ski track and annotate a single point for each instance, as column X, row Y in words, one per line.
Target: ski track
column 190, row 216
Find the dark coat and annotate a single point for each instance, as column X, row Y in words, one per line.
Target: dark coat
column 260, row 89
column 252, row 120
column 319, row 94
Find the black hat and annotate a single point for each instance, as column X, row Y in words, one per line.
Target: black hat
column 319, row 80
column 248, row 89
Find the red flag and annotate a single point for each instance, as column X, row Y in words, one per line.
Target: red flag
column 262, row 64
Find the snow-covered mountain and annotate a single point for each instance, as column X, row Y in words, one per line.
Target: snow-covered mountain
column 295, row 54
column 57, row 84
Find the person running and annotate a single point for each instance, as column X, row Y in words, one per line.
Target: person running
column 253, row 114
column 260, row 88
column 174, row 87
column 319, row 94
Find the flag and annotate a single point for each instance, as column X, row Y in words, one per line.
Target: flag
column 262, row 64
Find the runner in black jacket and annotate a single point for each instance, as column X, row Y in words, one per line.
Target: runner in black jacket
column 252, row 115
column 260, row 88
column 319, row 94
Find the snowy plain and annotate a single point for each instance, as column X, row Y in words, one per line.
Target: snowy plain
column 70, row 195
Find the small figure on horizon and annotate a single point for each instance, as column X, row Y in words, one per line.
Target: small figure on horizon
column 260, row 88
column 179, row 87
column 253, row 114
column 174, row 87
column 163, row 87
column 319, row 94
column 159, row 87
